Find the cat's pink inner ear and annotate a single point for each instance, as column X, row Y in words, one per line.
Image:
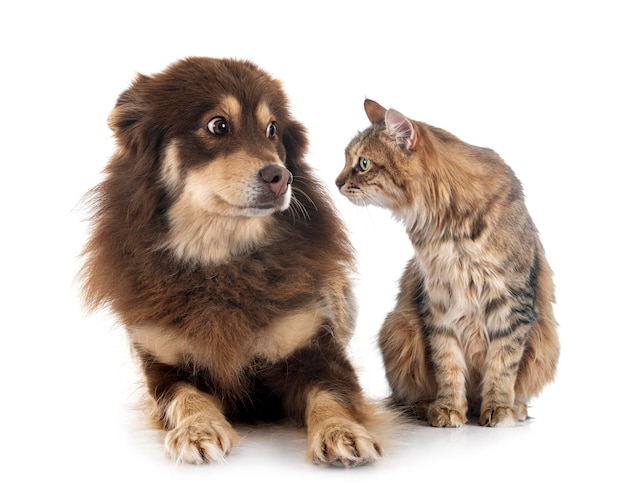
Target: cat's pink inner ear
column 401, row 128
column 375, row 112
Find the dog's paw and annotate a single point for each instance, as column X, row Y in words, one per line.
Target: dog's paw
column 341, row 442
column 198, row 439
column 443, row 416
column 499, row 416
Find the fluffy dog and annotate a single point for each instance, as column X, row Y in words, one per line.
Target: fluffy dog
column 225, row 261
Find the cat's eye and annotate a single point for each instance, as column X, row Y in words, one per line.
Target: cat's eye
column 363, row 164
column 271, row 130
column 218, row 126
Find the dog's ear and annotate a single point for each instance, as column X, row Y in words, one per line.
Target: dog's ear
column 128, row 119
column 296, row 142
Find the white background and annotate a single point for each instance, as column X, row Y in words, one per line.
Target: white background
column 540, row 82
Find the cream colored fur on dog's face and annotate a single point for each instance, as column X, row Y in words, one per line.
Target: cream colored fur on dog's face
column 224, row 193
column 210, row 200
column 227, row 185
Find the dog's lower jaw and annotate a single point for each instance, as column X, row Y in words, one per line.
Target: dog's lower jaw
column 259, row 210
column 211, row 239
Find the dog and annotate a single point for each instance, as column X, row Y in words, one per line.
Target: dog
column 224, row 259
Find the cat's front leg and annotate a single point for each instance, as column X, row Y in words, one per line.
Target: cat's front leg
column 449, row 409
column 499, row 408
column 441, row 414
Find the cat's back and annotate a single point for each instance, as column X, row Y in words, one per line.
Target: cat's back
column 473, row 155
column 476, row 176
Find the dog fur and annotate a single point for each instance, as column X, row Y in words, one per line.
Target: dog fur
column 222, row 256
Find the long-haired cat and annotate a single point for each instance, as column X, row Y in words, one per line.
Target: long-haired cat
column 473, row 329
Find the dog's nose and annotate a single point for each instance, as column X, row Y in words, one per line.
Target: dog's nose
column 277, row 178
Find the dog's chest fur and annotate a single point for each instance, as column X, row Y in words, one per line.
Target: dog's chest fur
column 261, row 307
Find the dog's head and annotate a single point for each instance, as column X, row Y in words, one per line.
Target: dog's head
column 216, row 135
column 222, row 131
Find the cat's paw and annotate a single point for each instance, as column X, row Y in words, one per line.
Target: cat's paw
column 341, row 442
column 499, row 417
column 419, row 410
column 521, row 410
column 444, row 416
column 198, row 439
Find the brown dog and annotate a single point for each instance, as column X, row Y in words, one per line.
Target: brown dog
column 223, row 258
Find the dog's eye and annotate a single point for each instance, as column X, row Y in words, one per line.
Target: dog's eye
column 218, row 126
column 270, row 132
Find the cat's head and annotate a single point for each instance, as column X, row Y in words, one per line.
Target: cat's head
column 382, row 162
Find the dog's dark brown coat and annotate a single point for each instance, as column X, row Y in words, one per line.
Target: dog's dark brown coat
column 198, row 326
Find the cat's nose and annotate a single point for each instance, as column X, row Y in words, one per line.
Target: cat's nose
column 340, row 182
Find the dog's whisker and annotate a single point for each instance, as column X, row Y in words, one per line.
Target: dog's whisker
column 298, row 207
column 308, row 198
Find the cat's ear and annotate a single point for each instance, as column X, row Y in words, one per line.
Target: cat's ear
column 375, row 112
column 401, row 128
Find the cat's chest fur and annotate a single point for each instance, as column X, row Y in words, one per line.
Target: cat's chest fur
column 461, row 280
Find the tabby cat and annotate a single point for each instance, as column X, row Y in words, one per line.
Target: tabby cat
column 473, row 331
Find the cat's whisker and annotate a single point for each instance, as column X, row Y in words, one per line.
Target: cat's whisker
column 367, row 210
column 370, row 198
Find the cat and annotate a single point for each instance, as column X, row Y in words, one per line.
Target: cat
column 473, row 331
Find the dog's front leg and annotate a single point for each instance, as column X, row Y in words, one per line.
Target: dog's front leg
column 196, row 429
column 197, row 432
column 334, row 435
